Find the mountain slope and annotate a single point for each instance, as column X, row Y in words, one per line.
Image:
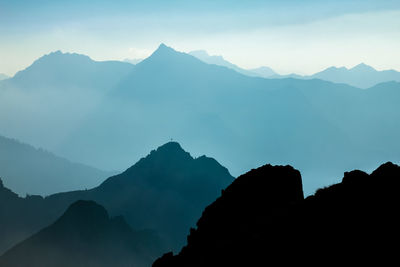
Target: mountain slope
column 84, row 235
column 27, row 170
column 54, row 95
column 164, row 191
column 262, row 218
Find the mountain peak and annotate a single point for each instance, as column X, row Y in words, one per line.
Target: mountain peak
column 164, row 48
column 163, row 55
column 60, row 56
column 171, row 146
column 363, row 67
column 170, row 150
column 84, row 211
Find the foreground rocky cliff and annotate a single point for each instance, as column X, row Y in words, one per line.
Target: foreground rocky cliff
column 263, row 219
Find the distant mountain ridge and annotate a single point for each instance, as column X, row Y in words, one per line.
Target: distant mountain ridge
column 361, row 75
column 27, row 170
column 71, row 70
column 220, row 61
column 85, row 235
column 3, row 76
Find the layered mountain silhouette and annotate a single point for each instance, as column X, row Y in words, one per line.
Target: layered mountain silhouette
column 165, row 192
column 361, row 76
column 320, row 127
column 263, row 218
column 85, row 235
column 27, row 170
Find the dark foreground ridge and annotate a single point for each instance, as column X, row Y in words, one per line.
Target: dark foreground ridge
column 84, row 235
column 262, row 219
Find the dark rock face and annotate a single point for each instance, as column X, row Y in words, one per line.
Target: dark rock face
column 233, row 228
column 84, row 235
column 263, row 219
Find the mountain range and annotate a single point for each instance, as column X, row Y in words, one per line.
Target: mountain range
column 361, row 76
column 320, row 127
column 164, row 192
column 259, row 218
column 262, row 218
column 85, row 235
column 28, row 170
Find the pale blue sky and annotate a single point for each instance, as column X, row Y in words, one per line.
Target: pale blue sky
column 289, row 36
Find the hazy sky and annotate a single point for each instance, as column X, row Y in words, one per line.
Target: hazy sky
column 289, row 36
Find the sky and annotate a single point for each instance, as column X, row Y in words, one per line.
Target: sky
column 289, row 36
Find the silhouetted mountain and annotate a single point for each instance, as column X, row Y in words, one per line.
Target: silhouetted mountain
column 18, row 217
column 27, row 170
column 262, row 218
column 3, row 76
column 84, row 235
column 165, row 191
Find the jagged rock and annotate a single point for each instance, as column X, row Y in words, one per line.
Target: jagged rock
column 352, row 222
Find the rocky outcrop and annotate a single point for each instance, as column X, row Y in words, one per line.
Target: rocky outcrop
column 262, row 219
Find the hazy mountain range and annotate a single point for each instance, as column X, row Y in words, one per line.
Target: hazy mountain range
column 164, row 192
column 28, row 170
column 107, row 114
column 362, row 75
